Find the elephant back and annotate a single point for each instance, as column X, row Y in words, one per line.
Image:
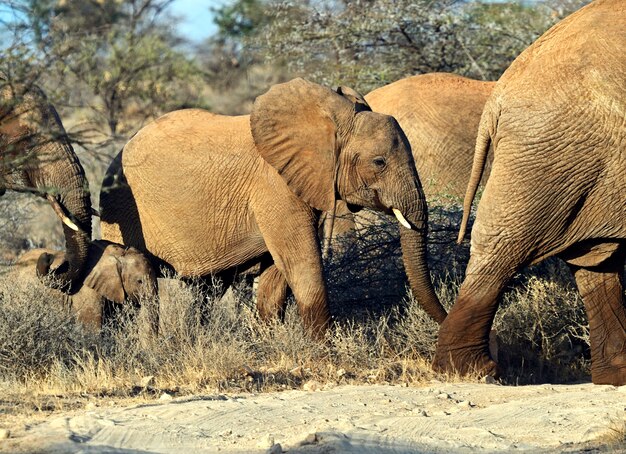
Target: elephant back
column 439, row 113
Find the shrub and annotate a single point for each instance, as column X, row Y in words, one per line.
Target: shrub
column 36, row 332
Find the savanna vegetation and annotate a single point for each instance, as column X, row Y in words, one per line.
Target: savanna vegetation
column 110, row 66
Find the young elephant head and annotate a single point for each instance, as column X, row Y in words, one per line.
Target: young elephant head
column 118, row 273
column 329, row 145
column 114, row 272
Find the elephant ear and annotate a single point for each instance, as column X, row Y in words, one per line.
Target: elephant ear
column 296, row 127
column 360, row 104
column 105, row 275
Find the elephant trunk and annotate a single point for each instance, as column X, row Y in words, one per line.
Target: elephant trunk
column 68, row 191
column 414, row 251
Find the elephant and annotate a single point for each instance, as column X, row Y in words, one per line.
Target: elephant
column 439, row 113
column 208, row 194
column 113, row 272
column 557, row 188
column 36, row 156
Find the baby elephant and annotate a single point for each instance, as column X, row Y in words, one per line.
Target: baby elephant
column 113, row 272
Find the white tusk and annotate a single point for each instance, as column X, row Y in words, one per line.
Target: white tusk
column 68, row 222
column 401, row 218
column 56, row 206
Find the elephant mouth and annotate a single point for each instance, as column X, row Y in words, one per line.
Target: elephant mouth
column 372, row 199
column 354, row 208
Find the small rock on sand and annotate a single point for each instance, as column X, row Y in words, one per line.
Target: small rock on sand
column 275, row 449
column 165, row 397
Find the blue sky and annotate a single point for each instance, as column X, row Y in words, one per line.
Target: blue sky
column 196, row 17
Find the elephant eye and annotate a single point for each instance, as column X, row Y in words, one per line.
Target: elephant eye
column 380, row 162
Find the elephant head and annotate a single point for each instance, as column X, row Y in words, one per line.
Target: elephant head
column 329, row 145
column 113, row 271
column 36, row 156
column 119, row 273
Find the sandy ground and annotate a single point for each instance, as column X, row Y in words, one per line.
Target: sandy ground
column 440, row 417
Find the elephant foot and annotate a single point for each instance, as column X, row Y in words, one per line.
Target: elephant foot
column 611, row 371
column 609, row 376
column 465, row 361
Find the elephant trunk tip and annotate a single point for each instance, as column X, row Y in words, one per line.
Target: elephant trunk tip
column 44, row 262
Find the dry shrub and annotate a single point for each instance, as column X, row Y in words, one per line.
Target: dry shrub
column 205, row 343
column 36, row 332
column 365, row 274
column 543, row 333
column 209, row 343
column 615, row 436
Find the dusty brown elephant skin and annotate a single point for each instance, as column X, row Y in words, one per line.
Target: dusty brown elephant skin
column 113, row 272
column 557, row 187
column 36, row 156
column 208, row 193
column 439, row 113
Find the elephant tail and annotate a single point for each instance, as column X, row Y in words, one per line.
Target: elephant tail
column 486, row 129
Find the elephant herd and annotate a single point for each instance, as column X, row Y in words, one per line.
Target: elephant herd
column 211, row 195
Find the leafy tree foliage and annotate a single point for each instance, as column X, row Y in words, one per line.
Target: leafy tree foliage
column 369, row 43
column 116, row 61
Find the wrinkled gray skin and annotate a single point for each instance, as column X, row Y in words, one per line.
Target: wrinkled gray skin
column 556, row 120
column 113, row 272
column 36, row 156
column 210, row 194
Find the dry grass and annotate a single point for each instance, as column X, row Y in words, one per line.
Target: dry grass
column 48, row 362
column 615, row 436
column 207, row 344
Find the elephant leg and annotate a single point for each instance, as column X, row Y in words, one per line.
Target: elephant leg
column 602, row 290
column 88, row 310
column 463, row 342
column 291, row 239
column 271, row 294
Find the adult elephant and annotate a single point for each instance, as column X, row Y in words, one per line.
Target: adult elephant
column 208, row 194
column 36, row 156
column 557, row 187
column 439, row 113
column 112, row 272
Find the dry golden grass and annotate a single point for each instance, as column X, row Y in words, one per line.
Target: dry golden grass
column 206, row 345
column 615, row 436
column 48, row 362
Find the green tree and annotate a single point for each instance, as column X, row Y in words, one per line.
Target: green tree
column 240, row 19
column 369, row 43
column 234, row 72
column 115, row 62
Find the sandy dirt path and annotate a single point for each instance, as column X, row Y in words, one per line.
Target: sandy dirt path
column 441, row 417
